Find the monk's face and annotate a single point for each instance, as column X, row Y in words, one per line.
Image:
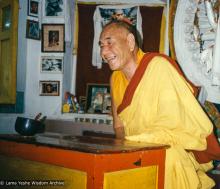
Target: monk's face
column 114, row 45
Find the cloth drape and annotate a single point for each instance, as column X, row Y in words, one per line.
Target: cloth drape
column 98, row 21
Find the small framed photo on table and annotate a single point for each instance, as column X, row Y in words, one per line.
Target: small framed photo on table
column 53, row 39
column 49, row 88
column 51, row 64
column 33, row 8
column 33, row 30
column 95, row 97
column 107, row 107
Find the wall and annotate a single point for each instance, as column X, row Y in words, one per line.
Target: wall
column 29, row 75
column 48, row 105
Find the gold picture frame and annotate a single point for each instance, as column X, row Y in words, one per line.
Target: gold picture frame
column 49, row 88
column 53, row 38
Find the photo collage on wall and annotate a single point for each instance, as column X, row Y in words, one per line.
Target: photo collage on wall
column 32, row 25
column 41, row 25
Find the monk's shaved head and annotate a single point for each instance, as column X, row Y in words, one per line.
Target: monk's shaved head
column 124, row 26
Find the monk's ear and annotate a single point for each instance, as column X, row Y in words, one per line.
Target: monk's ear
column 131, row 41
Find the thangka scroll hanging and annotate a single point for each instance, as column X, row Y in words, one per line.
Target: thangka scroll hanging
column 106, row 13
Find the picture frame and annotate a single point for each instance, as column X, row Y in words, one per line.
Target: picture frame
column 51, row 64
column 95, row 97
column 49, row 88
column 53, row 38
column 53, row 8
column 33, row 30
column 33, row 8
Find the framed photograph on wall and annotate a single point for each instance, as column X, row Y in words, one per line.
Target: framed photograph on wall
column 53, row 8
column 33, row 8
column 33, row 30
column 53, row 39
column 51, row 64
column 49, row 88
column 95, row 97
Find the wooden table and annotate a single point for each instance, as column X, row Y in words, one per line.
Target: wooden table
column 81, row 162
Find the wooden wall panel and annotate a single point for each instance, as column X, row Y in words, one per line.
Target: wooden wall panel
column 8, row 50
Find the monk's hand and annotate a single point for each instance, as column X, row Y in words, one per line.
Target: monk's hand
column 119, row 132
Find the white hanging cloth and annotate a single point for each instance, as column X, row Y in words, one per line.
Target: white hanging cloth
column 99, row 21
column 68, row 31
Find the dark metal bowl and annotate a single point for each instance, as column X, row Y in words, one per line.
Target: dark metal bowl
column 29, row 127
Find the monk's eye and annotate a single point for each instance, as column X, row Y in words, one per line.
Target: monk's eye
column 109, row 43
column 100, row 44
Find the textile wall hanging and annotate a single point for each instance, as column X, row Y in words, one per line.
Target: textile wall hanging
column 172, row 13
column 106, row 13
column 85, row 71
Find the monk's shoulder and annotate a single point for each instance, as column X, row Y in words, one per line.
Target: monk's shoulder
column 160, row 62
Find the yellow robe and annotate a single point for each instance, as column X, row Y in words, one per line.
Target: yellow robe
column 164, row 110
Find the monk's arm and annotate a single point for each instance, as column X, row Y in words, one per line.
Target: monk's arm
column 117, row 123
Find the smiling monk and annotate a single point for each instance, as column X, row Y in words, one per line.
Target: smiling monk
column 153, row 102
